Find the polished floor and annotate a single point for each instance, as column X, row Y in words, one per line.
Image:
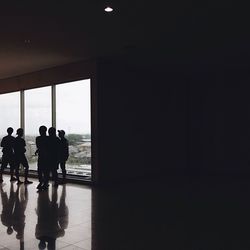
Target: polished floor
column 54, row 219
column 131, row 216
column 175, row 213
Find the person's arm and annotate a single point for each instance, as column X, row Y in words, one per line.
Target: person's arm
column 23, row 144
column 2, row 143
column 67, row 149
column 36, row 152
column 58, row 149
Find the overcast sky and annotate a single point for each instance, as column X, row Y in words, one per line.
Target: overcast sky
column 73, row 108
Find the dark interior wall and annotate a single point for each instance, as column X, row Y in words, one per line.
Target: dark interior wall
column 142, row 121
column 218, row 99
column 219, row 91
column 159, row 122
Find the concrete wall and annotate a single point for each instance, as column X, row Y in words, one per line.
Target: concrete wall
column 219, row 120
column 142, row 121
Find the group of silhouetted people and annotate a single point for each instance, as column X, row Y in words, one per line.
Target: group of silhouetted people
column 14, row 155
column 52, row 151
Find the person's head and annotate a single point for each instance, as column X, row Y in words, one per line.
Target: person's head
column 9, row 130
column 42, row 130
column 9, row 230
column 19, row 132
column 61, row 133
column 52, row 131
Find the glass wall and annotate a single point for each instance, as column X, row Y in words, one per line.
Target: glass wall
column 66, row 106
column 37, row 112
column 10, row 113
column 73, row 116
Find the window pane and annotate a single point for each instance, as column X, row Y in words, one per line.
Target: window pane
column 10, row 113
column 73, row 116
column 37, row 113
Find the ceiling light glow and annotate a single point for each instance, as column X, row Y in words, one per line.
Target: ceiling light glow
column 108, row 9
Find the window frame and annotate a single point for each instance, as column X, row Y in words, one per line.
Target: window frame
column 93, row 106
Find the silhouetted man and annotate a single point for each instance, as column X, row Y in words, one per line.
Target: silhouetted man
column 53, row 156
column 42, row 151
column 20, row 158
column 7, row 144
column 8, row 206
column 63, row 153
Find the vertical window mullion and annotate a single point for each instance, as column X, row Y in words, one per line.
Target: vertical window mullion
column 53, row 102
column 22, row 110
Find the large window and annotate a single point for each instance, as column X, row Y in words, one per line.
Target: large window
column 10, row 113
column 37, row 113
column 73, row 116
column 65, row 106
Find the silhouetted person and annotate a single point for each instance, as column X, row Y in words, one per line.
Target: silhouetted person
column 47, row 228
column 19, row 214
column 63, row 153
column 8, row 207
column 7, row 144
column 20, row 158
column 42, row 151
column 53, row 156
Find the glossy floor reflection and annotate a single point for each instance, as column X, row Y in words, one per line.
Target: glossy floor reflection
column 134, row 216
column 138, row 216
column 54, row 219
column 172, row 213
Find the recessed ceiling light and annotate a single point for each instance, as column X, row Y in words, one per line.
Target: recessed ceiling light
column 108, row 9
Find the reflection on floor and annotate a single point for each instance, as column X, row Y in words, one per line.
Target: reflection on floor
column 138, row 216
column 174, row 213
column 134, row 216
column 54, row 219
